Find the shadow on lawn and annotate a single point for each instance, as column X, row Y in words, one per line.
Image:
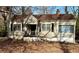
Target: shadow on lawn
column 64, row 47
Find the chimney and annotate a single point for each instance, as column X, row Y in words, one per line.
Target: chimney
column 58, row 12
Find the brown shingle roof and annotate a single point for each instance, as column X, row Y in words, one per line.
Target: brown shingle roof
column 56, row 17
column 18, row 17
column 47, row 17
column 66, row 16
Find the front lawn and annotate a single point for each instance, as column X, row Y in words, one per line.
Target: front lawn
column 10, row 46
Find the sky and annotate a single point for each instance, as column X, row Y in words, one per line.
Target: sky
column 61, row 8
column 52, row 8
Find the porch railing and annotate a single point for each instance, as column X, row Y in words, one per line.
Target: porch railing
column 32, row 33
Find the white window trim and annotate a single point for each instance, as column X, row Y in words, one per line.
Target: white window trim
column 65, row 25
column 46, row 26
column 19, row 24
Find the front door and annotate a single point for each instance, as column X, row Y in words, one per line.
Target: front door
column 32, row 29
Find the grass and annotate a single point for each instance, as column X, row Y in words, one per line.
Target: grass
column 19, row 46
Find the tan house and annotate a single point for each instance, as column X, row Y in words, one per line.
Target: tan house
column 51, row 27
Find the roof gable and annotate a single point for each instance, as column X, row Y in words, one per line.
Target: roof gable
column 31, row 20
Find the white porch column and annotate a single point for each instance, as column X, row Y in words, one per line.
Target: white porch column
column 74, row 33
column 58, row 36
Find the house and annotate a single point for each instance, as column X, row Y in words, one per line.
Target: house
column 51, row 27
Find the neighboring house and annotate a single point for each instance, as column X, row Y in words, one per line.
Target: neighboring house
column 52, row 27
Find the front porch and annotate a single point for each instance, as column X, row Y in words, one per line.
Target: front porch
column 30, row 30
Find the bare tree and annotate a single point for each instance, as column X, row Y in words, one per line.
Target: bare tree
column 74, row 10
column 66, row 10
column 16, row 10
column 43, row 9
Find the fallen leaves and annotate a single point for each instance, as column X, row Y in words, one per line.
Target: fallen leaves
column 37, row 47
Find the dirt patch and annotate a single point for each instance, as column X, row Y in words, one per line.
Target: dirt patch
column 10, row 46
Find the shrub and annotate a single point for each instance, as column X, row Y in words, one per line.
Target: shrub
column 2, row 28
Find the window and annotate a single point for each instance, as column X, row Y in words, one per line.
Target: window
column 46, row 27
column 17, row 27
column 66, row 28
